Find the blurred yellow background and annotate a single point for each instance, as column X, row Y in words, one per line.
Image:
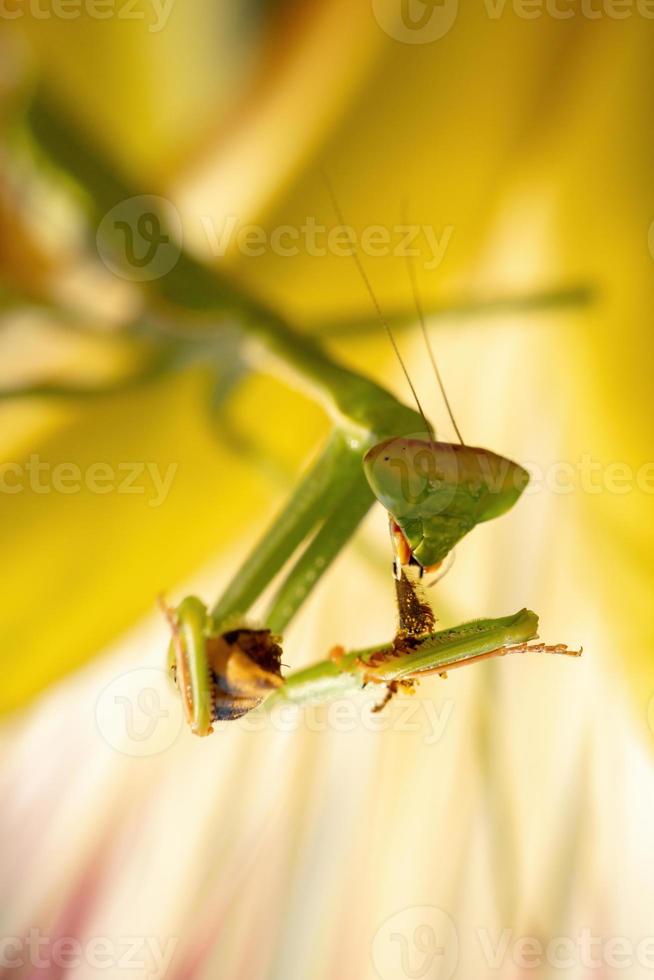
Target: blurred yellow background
column 512, row 800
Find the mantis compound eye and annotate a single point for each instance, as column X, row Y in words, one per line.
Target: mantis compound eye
column 220, row 676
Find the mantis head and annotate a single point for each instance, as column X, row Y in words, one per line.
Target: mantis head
column 220, row 676
column 436, row 492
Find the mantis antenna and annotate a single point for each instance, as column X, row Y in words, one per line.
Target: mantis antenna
column 375, row 302
column 423, row 327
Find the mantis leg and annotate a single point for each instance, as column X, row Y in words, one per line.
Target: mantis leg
column 347, row 511
column 302, row 513
column 436, row 653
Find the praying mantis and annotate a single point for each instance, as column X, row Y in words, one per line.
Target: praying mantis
column 379, row 449
column 223, row 673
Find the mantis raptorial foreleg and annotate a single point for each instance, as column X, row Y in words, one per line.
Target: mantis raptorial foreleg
column 347, row 510
column 221, row 676
column 435, row 653
column 326, row 480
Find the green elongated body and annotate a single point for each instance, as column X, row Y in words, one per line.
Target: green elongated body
column 437, row 492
